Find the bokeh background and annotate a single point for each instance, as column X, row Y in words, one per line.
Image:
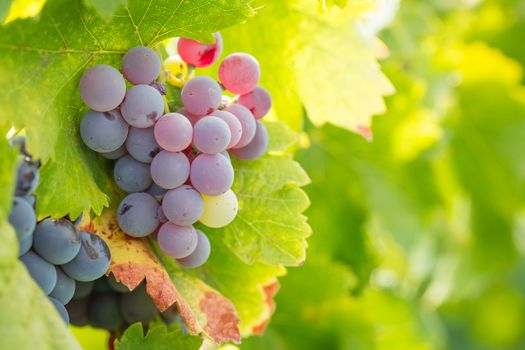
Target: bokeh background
column 419, row 234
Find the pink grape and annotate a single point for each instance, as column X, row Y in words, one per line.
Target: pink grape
column 247, row 122
column 200, row 54
column 141, row 65
column 177, row 241
column 173, row 132
column 201, row 95
column 256, row 147
column 233, row 123
column 183, row 205
column 211, row 135
column 211, row 174
column 102, row 88
column 239, row 73
column 142, row 106
column 258, row 101
column 191, row 117
column 170, row 169
column 201, row 253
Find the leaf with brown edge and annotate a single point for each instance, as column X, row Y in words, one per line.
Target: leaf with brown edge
column 269, row 290
column 133, row 260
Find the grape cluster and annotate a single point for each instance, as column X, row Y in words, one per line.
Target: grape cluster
column 57, row 256
column 176, row 167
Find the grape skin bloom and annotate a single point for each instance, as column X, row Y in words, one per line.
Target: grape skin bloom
column 201, row 95
column 183, row 206
column 141, row 144
column 211, row 135
column 256, row 147
column 211, row 174
column 142, row 106
column 103, row 131
column 141, row 65
column 247, row 122
column 170, row 169
column 132, row 175
column 173, row 132
column 102, row 88
column 201, row 253
column 177, row 241
column 239, row 73
column 137, row 214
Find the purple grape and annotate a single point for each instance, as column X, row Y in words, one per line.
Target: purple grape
column 102, row 88
column 23, row 219
column 137, row 306
column 141, row 65
column 211, row 174
column 258, row 101
column 137, row 214
column 173, row 132
column 116, row 154
column 27, row 177
column 44, row 273
column 142, row 106
column 156, row 191
column 177, row 241
column 183, row 206
column 117, row 286
column 200, row 54
column 170, row 169
column 57, row 241
column 103, row 131
column 60, row 309
column 83, row 289
column 77, row 310
column 201, row 253
column 104, row 311
column 141, row 144
column 233, row 123
column 91, row 262
column 211, row 135
column 256, row 147
column 132, row 175
column 20, row 143
column 239, row 73
column 25, row 245
column 201, row 95
column 64, row 288
column 247, row 122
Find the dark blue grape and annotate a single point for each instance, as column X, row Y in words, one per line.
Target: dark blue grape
column 102, row 285
column 61, row 309
column 77, row 310
column 104, row 311
column 57, row 241
column 22, row 218
column 83, row 289
column 91, row 262
column 44, row 274
column 27, row 178
column 137, row 306
column 25, row 245
column 64, row 288
column 132, row 175
column 117, row 286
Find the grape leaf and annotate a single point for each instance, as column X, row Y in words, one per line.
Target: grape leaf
column 41, row 63
column 24, row 309
column 5, row 5
column 106, row 8
column 159, row 337
column 320, row 62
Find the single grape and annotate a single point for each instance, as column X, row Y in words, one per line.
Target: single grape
column 193, row 118
column 173, row 132
column 200, row 54
column 219, row 210
column 116, row 154
column 104, row 311
column 201, row 95
column 91, row 262
column 30, row 199
column 22, row 218
column 183, row 206
column 177, row 71
column 25, row 245
column 141, row 144
column 60, row 309
column 77, row 310
column 256, row 147
column 83, row 289
column 101, row 285
column 233, row 123
column 201, row 253
column 169, row 169
column 247, row 122
column 64, row 288
column 137, row 306
column 57, row 241
column 44, row 274
column 27, row 177
column 211, row 135
column 20, row 143
column 141, row 65
column 132, row 175
column 142, row 106
column 211, row 174
column 137, row 214
column 258, row 101
column 102, row 88
column 103, row 131
column 226, row 155
column 117, row 286
column 156, row 192
column 239, row 73
column 177, row 241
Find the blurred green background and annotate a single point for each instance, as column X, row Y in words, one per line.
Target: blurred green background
column 419, row 235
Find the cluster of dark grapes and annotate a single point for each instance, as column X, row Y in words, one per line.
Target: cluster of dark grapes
column 176, row 167
column 57, row 256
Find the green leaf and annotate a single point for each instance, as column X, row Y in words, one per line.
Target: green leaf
column 159, row 337
column 24, row 309
column 5, row 5
column 42, row 61
column 106, row 8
